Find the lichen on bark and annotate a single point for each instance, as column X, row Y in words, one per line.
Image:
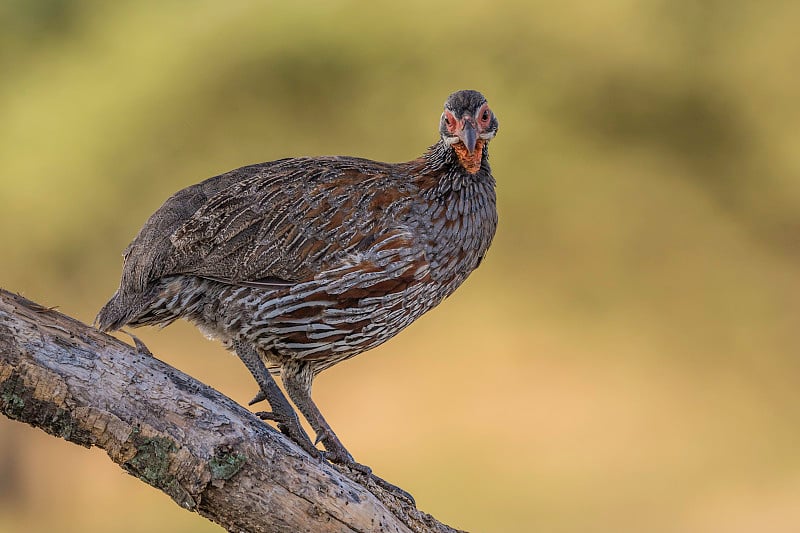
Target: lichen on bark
column 152, row 464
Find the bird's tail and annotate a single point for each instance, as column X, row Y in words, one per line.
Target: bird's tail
column 116, row 313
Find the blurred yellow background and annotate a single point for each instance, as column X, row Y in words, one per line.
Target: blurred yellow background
column 626, row 359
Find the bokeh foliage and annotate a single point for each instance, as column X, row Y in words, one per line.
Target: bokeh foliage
column 626, row 359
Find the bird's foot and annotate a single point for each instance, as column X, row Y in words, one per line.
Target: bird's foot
column 343, row 457
column 367, row 471
column 289, row 425
column 335, row 452
column 394, row 489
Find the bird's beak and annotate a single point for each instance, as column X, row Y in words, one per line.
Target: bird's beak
column 468, row 134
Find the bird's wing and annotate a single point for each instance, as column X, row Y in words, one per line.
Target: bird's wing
column 276, row 223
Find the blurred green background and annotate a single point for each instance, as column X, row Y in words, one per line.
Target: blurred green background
column 625, row 360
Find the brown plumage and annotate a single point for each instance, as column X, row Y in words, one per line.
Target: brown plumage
column 301, row 263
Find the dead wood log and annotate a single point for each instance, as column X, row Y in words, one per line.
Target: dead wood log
column 209, row 454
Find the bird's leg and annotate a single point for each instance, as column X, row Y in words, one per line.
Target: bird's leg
column 282, row 411
column 297, row 379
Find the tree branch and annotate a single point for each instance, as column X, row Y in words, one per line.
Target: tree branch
column 209, row 454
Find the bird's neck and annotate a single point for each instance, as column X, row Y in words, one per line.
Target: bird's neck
column 456, row 159
column 458, row 214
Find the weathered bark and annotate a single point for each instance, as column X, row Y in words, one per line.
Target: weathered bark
column 209, row 454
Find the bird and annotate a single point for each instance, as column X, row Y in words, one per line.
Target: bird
column 298, row 264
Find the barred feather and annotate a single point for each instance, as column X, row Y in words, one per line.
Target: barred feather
column 312, row 259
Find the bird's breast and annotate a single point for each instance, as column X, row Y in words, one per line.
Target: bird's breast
column 460, row 223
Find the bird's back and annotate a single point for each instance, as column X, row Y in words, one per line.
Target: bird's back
column 308, row 257
column 270, row 224
column 317, row 259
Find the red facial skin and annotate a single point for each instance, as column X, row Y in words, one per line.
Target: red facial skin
column 471, row 161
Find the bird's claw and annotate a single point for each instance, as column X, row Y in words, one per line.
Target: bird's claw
column 334, row 451
column 290, row 426
column 340, row 456
column 345, row 459
column 394, row 489
column 348, row 462
column 141, row 348
column 260, row 397
column 267, row 415
column 322, row 435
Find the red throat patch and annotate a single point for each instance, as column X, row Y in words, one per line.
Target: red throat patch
column 471, row 163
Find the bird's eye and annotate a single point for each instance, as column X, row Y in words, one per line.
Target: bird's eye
column 485, row 115
column 449, row 121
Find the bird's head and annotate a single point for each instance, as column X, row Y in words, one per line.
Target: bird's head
column 467, row 124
